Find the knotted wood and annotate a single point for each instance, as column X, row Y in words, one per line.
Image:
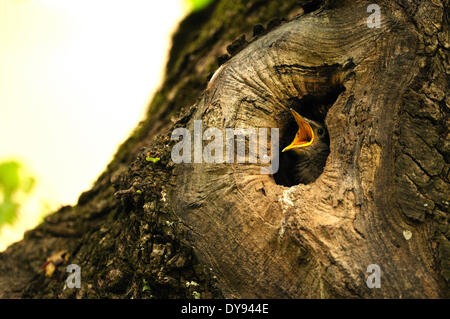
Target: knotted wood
column 317, row 240
column 165, row 230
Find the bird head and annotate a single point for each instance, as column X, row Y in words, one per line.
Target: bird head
column 310, row 135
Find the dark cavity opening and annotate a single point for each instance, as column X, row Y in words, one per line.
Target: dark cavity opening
column 312, row 6
column 304, row 166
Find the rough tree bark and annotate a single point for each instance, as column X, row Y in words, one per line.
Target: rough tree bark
column 151, row 230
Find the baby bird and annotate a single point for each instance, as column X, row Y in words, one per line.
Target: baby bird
column 309, row 150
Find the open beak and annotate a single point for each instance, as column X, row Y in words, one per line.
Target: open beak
column 304, row 136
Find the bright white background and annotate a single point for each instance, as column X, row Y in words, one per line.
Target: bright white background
column 76, row 77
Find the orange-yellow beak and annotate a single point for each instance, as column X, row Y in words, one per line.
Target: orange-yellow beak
column 305, row 133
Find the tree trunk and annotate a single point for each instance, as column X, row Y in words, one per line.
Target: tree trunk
column 158, row 229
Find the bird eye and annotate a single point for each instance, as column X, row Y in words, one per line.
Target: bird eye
column 320, row 131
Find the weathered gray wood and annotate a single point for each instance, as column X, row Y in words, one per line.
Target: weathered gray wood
column 148, row 230
column 265, row 240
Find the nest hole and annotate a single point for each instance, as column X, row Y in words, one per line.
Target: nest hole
column 308, row 164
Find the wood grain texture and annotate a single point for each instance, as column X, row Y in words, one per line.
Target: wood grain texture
column 265, row 240
column 165, row 230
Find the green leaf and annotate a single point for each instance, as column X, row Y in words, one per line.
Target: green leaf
column 198, row 4
column 9, row 177
column 13, row 180
column 8, row 212
column 28, row 184
column 153, row 159
column 146, row 286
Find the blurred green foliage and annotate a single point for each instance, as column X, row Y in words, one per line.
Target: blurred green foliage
column 198, row 4
column 12, row 182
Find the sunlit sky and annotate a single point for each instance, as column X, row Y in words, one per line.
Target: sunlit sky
column 76, row 77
